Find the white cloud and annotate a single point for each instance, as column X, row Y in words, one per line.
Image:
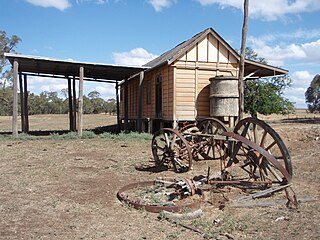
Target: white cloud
column 301, row 81
column 158, row 5
column 135, row 57
column 312, row 51
column 269, row 10
column 59, row 4
column 99, row 2
column 106, row 90
column 278, row 54
column 37, row 85
column 299, row 34
column 40, row 84
column 302, row 78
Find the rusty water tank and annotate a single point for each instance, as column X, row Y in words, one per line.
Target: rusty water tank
column 224, row 96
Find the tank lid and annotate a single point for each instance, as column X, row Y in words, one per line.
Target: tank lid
column 223, row 78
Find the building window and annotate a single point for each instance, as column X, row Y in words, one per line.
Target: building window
column 148, row 96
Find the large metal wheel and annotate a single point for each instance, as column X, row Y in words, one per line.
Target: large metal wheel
column 209, row 146
column 211, row 126
column 264, row 157
column 171, row 148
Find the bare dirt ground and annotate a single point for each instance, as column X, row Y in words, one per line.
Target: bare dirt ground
column 66, row 189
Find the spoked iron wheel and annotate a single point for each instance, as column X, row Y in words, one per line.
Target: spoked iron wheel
column 210, row 148
column 211, row 126
column 170, row 147
column 264, row 157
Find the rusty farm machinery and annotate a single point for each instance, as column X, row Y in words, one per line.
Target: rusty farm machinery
column 252, row 154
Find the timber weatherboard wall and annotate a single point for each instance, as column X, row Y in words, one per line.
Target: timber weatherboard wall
column 207, row 59
column 148, row 108
column 185, row 82
column 186, row 71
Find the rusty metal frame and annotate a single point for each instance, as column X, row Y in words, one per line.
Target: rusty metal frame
column 138, row 204
column 263, row 152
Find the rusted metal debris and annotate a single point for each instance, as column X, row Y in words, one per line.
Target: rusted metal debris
column 183, row 188
column 253, row 148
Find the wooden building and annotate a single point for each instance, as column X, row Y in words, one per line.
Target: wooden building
column 176, row 85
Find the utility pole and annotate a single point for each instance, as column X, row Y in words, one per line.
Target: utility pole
column 242, row 59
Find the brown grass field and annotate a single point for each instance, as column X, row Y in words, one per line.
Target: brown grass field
column 55, row 188
column 48, row 122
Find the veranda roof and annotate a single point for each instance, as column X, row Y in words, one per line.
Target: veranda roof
column 50, row 67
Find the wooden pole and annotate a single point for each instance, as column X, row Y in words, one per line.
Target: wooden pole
column 118, row 105
column 26, row 111
column 140, row 95
column 242, row 59
column 22, row 104
column 74, row 104
column 80, row 100
column 126, row 114
column 70, row 105
column 15, row 99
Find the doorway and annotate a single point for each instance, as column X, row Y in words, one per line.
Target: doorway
column 159, row 97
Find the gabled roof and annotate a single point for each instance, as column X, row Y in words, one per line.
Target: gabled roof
column 262, row 70
column 176, row 52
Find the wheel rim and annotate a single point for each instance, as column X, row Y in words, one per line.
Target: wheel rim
column 210, row 148
column 277, row 168
column 211, row 126
column 170, row 147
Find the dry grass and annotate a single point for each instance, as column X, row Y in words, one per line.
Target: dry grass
column 66, row 189
column 57, row 122
column 61, row 121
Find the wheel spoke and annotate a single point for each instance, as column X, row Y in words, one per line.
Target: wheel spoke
column 263, row 138
column 169, row 146
column 270, row 146
column 167, row 139
column 261, row 134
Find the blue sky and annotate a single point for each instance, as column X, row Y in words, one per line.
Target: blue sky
column 132, row 32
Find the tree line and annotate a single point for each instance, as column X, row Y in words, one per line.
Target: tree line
column 50, row 103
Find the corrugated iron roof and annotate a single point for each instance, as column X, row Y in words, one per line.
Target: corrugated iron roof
column 59, row 67
column 174, row 52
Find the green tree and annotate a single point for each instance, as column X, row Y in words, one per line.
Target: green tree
column 54, row 103
column 64, row 93
column 6, row 101
column 47, row 103
column 93, row 94
column 252, row 55
column 7, row 45
column 98, row 105
column 87, row 105
column 313, row 95
column 111, row 106
column 36, row 104
column 265, row 95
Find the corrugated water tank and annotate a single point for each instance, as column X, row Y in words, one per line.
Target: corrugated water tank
column 224, row 96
